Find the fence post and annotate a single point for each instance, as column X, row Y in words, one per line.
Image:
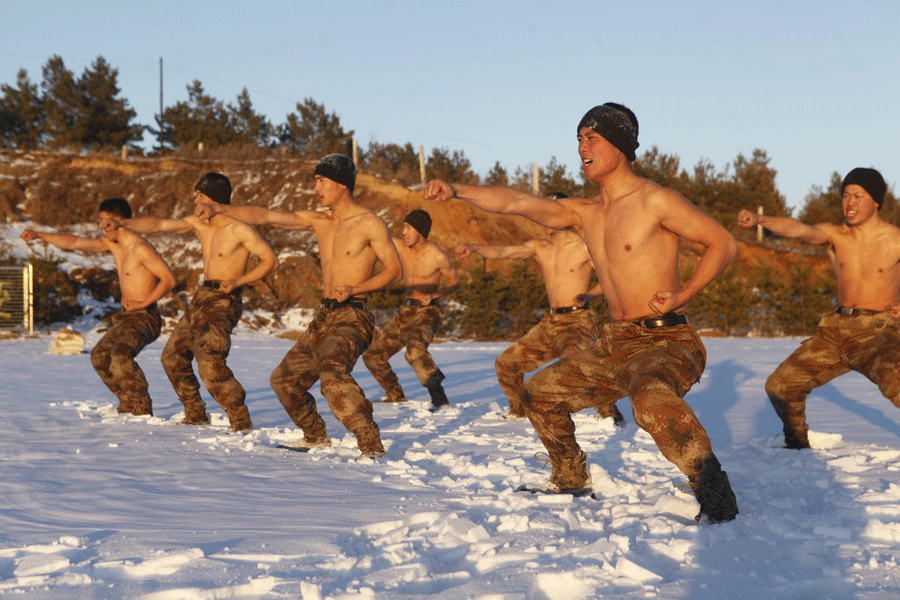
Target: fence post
column 535, row 179
column 759, row 228
column 28, row 292
column 422, row 164
column 355, row 153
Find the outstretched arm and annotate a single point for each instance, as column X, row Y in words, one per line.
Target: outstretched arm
column 66, row 241
column 495, row 252
column 157, row 225
column 259, row 215
column 783, row 226
column 505, row 201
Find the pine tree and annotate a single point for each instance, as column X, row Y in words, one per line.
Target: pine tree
column 248, row 126
column 20, row 113
column 62, row 104
column 313, row 132
column 105, row 121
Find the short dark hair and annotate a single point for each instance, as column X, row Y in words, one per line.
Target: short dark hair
column 216, row 187
column 116, row 206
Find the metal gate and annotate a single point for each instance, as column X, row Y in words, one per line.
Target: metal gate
column 17, row 298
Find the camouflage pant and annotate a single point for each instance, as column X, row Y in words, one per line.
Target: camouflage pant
column 655, row 367
column 327, row 351
column 204, row 333
column 413, row 327
column 869, row 344
column 113, row 358
column 552, row 337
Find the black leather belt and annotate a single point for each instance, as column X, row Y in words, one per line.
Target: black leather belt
column 847, row 310
column 215, row 284
column 666, row 320
column 352, row 302
column 563, row 310
column 414, row 302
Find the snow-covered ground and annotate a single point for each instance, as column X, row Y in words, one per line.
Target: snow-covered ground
column 98, row 505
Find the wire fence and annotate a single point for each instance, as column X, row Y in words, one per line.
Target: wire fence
column 17, row 298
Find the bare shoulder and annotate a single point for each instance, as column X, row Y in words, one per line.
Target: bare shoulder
column 891, row 234
column 373, row 223
column 659, row 198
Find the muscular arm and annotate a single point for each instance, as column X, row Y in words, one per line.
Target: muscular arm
column 505, row 201
column 66, row 241
column 521, row 251
column 784, row 226
column 259, row 248
column 157, row 225
column 595, row 292
column 449, row 273
column 259, row 215
column 156, row 265
column 684, row 219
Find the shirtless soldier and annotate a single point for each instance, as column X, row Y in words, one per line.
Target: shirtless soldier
column 204, row 331
column 419, row 317
column 143, row 279
column 648, row 352
column 351, row 239
column 863, row 333
column 568, row 325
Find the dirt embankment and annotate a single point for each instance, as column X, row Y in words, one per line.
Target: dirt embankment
column 58, row 190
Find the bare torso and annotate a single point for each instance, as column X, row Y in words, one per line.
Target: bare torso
column 136, row 282
column 224, row 255
column 345, row 248
column 566, row 266
column 635, row 256
column 866, row 264
column 421, row 268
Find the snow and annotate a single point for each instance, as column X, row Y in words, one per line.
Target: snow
column 99, row 505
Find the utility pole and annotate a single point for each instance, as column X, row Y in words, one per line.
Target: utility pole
column 161, row 118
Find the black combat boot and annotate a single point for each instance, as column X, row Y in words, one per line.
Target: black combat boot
column 714, row 493
column 796, row 440
column 434, row 387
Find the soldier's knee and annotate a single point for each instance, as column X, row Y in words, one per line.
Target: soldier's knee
column 649, row 385
column 99, row 357
column 413, row 354
column 211, row 367
column 330, row 383
column 775, row 386
column 276, row 379
column 504, row 363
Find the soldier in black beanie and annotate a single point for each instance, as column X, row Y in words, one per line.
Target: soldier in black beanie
column 351, row 240
column 863, row 333
column 649, row 352
column 419, row 316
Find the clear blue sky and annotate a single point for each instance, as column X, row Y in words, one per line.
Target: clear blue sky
column 814, row 84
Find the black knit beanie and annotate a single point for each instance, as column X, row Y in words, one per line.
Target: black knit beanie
column 420, row 221
column 869, row 180
column 215, row 186
column 339, row 168
column 616, row 123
